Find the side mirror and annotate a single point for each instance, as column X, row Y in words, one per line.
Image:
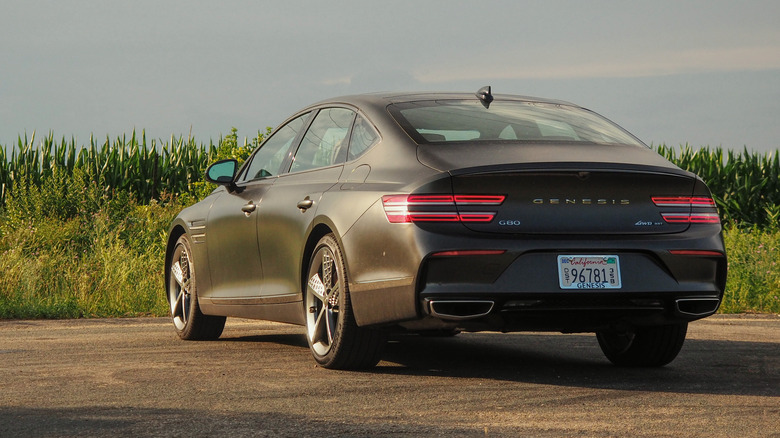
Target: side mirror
column 223, row 172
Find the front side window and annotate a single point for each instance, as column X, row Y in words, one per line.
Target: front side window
column 324, row 145
column 267, row 161
column 447, row 121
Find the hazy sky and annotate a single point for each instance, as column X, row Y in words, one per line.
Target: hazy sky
column 701, row 72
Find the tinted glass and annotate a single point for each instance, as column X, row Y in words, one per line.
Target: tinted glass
column 268, row 160
column 323, row 145
column 454, row 121
column 363, row 137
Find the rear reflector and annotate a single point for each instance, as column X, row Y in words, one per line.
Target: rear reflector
column 401, row 209
column 695, row 252
column 471, row 252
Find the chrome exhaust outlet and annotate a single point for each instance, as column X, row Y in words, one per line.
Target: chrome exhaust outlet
column 697, row 306
column 459, row 310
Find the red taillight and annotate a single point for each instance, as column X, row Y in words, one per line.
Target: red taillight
column 692, row 206
column 438, row 208
column 479, row 199
column 433, row 217
column 429, row 199
column 683, row 201
column 470, row 252
column 477, row 217
column 691, row 218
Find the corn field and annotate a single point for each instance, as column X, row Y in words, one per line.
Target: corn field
column 132, row 165
column 745, row 185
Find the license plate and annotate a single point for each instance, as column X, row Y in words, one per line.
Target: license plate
column 589, row 271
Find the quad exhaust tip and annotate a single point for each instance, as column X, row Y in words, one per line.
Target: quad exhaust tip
column 459, row 310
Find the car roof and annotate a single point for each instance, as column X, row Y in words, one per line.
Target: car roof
column 382, row 99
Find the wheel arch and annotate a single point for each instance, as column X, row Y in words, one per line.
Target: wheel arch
column 318, row 232
column 177, row 230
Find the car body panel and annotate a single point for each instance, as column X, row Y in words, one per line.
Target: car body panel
column 562, row 197
column 235, row 265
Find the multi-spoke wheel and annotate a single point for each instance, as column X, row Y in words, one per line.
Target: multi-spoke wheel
column 188, row 320
column 335, row 339
column 653, row 346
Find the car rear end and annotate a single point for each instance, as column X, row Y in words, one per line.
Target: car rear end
column 546, row 216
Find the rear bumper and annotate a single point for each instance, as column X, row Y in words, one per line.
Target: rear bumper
column 567, row 312
column 524, row 294
column 396, row 281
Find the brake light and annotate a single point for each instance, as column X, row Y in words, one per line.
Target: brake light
column 694, row 209
column 683, row 201
column 691, row 218
column 401, row 209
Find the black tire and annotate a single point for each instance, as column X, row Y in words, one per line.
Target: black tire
column 182, row 292
column 653, row 346
column 334, row 338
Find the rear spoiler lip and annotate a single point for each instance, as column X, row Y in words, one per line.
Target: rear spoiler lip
column 570, row 167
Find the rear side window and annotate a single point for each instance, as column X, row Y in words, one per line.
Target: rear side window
column 363, row 137
column 324, row 145
column 447, row 121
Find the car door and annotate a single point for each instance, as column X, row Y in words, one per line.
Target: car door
column 235, row 260
column 290, row 206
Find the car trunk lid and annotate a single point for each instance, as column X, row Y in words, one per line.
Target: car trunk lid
column 565, row 189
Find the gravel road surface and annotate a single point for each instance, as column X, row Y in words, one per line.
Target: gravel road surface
column 126, row 377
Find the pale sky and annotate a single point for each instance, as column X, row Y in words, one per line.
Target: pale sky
column 698, row 72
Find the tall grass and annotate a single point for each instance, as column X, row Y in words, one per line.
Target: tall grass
column 754, row 271
column 103, row 263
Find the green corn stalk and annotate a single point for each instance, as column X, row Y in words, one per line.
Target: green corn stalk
column 744, row 184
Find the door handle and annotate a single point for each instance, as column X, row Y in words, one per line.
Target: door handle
column 305, row 204
column 249, row 208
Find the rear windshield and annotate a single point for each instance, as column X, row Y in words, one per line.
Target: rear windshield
column 445, row 121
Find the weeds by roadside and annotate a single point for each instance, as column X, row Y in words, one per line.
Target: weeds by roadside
column 73, row 244
column 754, row 271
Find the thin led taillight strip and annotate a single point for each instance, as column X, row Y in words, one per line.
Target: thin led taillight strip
column 683, row 201
column 477, row 217
column 696, row 218
column 479, row 199
column 428, row 199
column 433, row 217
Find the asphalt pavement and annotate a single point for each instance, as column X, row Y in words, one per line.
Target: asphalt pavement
column 134, row 377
